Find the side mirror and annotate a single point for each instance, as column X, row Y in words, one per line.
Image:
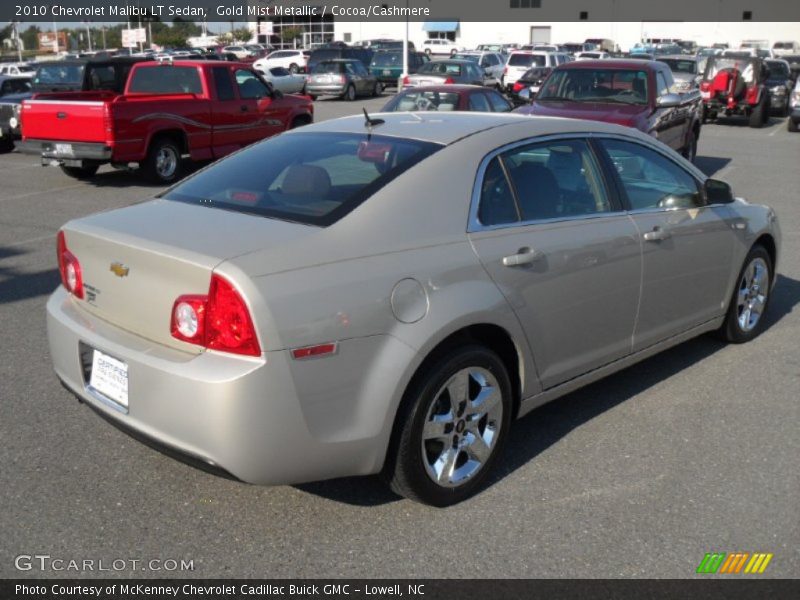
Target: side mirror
column 717, row 192
column 668, row 101
column 525, row 95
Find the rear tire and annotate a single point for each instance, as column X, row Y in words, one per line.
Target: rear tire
column 81, row 173
column 6, row 145
column 690, row 149
column 450, row 428
column 750, row 299
column 791, row 125
column 163, row 162
column 758, row 116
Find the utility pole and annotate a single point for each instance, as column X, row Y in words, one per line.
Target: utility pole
column 17, row 40
column 103, row 29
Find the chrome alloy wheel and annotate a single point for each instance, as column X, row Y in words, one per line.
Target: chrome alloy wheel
column 752, row 295
column 166, row 162
column 462, row 427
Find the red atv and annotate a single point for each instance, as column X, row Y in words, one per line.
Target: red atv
column 736, row 86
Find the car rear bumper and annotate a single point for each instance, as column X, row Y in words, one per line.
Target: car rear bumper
column 317, row 89
column 269, row 420
column 66, row 151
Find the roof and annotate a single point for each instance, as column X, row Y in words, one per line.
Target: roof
column 449, row 127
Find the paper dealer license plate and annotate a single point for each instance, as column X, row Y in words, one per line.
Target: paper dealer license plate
column 110, row 377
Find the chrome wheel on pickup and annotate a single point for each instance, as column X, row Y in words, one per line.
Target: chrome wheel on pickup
column 163, row 162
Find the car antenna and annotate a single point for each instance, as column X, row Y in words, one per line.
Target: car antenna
column 370, row 122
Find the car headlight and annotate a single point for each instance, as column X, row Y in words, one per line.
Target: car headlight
column 795, row 101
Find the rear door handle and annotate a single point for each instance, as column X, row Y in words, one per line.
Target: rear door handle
column 657, row 235
column 524, row 256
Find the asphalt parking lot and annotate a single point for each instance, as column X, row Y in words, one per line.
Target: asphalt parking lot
column 692, row 451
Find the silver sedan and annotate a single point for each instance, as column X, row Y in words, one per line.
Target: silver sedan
column 388, row 296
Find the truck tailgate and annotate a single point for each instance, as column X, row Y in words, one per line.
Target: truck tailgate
column 67, row 120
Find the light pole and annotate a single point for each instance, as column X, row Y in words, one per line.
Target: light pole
column 404, row 74
column 88, row 35
column 17, row 40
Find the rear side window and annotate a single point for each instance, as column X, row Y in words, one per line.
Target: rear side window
column 222, row 83
column 59, row 74
column 166, row 79
column 313, row 178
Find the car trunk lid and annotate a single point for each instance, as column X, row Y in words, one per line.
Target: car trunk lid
column 137, row 261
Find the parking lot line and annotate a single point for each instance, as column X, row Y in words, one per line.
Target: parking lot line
column 29, row 241
column 40, row 192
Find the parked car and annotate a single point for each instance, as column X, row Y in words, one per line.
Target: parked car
column 794, row 65
column 736, row 87
column 793, row 121
column 705, row 52
column 592, row 55
column 386, row 44
column 498, row 48
column 105, row 74
column 19, row 69
column 363, row 55
column 602, row 43
column 293, row 60
column 780, row 49
column 284, row 80
column 346, row 78
column 492, row 63
column 449, row 71
column 627, row 92
column 575, row 48
column 334, row 302
column 448, row 98
column 686, row 70
column 530, row 82
column 440, row 46
column 241, row 52
column 13, row 89
column 205, row 109
column 779, row 83
column 519, row 62
column 387, row 65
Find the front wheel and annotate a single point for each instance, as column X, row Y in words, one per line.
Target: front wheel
column 791, row 125
column 163, row 162
column 451, row 428
column 690, row 149
column 80, row 172
column 745, row 317
column 377, row 90
column 350, row 93
column 759, row 115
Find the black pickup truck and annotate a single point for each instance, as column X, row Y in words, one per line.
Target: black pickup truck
column 93, row 74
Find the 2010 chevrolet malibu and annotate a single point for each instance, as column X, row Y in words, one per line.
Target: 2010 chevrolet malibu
column 388, row 296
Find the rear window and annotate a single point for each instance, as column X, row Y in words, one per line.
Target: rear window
column 329, row 67
column 166, row 79
column 526, row 60
column 313, row 178
column 783, row 45
column 59, row 75
column 441, row 68
column 422, row 100
column 680, row 66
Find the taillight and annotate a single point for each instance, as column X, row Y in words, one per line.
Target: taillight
column 219, row 320
column 505, row 70
column 449, row 80
column 518, row 86
column 69, row 267
column 108, row 122
column 342, row 79
column 406, row 80
column 705, row 86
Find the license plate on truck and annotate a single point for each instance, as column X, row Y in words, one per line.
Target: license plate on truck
column 63, row 150
column 110, row 378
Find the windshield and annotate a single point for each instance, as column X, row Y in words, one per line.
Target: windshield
column 422, row 100
column 680, row 66
column 59, row 75
column 526, row 60
column 596, row 85
column 778, row 69
column 313, row 178
column 440, row 68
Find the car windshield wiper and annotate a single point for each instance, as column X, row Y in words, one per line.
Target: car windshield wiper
column 556, row 99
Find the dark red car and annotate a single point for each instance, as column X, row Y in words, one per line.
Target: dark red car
column 633, row 93
column 448, row 97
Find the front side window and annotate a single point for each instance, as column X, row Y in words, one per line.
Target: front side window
column 650, row 180
column 546, row 181
column 250, row 86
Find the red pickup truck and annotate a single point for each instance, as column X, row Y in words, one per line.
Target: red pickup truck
column 205, row 109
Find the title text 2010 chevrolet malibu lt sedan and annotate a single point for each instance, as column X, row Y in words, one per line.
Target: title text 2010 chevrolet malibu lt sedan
column 348, row 299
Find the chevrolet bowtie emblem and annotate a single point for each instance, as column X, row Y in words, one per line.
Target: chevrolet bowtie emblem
column 119, row 269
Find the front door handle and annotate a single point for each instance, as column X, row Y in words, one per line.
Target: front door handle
column 524, row 256
column 658, row 234
column 243, row 108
